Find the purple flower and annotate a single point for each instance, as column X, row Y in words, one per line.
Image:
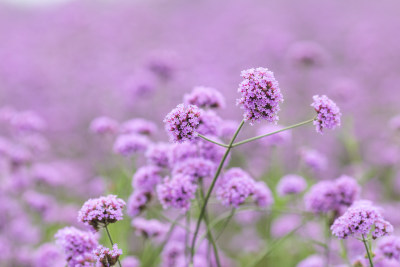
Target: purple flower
column 104, row 126
column 149, row 228
column 107, row 257
column 48, row 255
column 157, row 154
column 262, row 195
column 321, row 198
column 328, row 113
column 291, row 184
column 77, row 246
column 146, row 178
column 101, row 211
column 312, row 261
column 307, row 54
column 209, row 123
column 138, row 126
column 389, row 246
column 275, row 139
column 348, row 190
column 195, row 168
column 137, row 202
column 129, row 144
column 28, row 122
column 182, row 122
column 260, row 95
column 205, row 97
column 359, row 220
column 182, row 151
column 228, row 128
column 130, row 261
column 235, row 187
column 210, row 151
column 314, row 159
column 176, row 192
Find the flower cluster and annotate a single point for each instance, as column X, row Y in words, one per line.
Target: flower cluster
column 328, row 113
column 138, row 126
column 100, row 212
column 291, row 184
column 104, row 126
column 146, row 178
column 181, row 123
column 260, row 95
column 158, row 154
column 77, row 246
column 204, row 97
column 149, row 228
column 107, row 257
column 196, row 168
column 360, row 220
column 389, row 246
column 128, row 144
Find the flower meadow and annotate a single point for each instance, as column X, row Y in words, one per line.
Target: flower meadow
column 200, row 134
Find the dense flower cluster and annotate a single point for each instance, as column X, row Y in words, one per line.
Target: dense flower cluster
column 196, row 168
column 204, row 97
column 100, row 212
column 389, row 246
column 260, row 95
column 149, row 228
column 328, row 113
column 359, row 220
column 291, row 184
column 77, row 246
column 128, row 144
column 182, row 122
column 107, row 257
column 137, row 202
column 158, row 154
column 146, row 178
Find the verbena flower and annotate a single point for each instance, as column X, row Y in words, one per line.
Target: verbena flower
column 107, row 257
column 291, row 184
column 348, row 190
column 138, row 126
column 130, row 261
column 181, row 152
column 104, row 126
column 328, row 113
column 48, row 255
column 210, row 150
column 275, row 139
column 157, row 154
column 209, row 123
column 137, row 202
column 149, row 228
column 129, row 144
column 99, row 212
column 77, row 246
column 307, row 54
column 235, row 187
column 260, row 95
column 361, row 219
column 389, row 246
column 205, row 97
column 312, row 261
column 176, row 192
column 182, row 122
column 314, row 159
column 146, row 178
column 196, row 168
column 262, row 195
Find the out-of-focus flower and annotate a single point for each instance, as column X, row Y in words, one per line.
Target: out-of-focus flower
column 312, row 261
column 307, row 54
column 48, row 255
column 104, row 126
column 99, row 212
column 146, row 178
column 130, row 261
column 149, row 228
column 262, row 195
column 275, row 139
column 157, row 154
column 196, row 168
column 176, row 192
column 129, row 144
column 107, row 257
column 182, row 122
column 204, row 97
column 328, row 113
column 138, row 126
column 291, row 184
column 181, row 152
column 260, row 95
column 27, row 122
column 137, row 202
column 389, row 246
column 209, row 123
column 314, row 159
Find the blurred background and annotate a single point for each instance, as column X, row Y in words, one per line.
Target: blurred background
column 64, row 63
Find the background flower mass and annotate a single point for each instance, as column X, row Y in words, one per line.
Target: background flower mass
column 139, row 133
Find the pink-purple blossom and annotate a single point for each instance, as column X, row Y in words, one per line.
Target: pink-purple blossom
column 107, row 257
column 205, row 97
column 182, row 122
column 328, row 113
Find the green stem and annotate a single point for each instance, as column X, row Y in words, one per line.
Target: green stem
column 226, row 223
column 212, row 141
column 367, row 249
column 112, row 243
column 268, row 134
column 187, row 235
column 327, row 240
column 343, row 253
column 203, row 209
column 209, row 234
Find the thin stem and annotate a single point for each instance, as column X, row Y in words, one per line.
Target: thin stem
column 203, row 209
column 112, row 243
column 226, row 223
column 268, row 134
column 209, row 234
column 343, row 253
column 212, row 141
column 327, row 240
column 187, row 252
column 367, row 249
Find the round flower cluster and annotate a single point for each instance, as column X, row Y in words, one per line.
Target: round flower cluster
column 130, row 261
column 138, row 126
column 389, row 246
column 157, row 154
column 196, row 168
column 335, row 195
column 314, row 159
column 128, row 144
column 328, row 113
column 77, row 246
column 262, row 195
column 107, row 257
column 176, row 192
column 137, row 202
column 205, row 97
column 359, row 220
column 291, row 184
column 209, row 123
column 149, row 228
column 101, row 211
column 146, row 178
column 104, row 126
column 260, row 95
column 181, row 123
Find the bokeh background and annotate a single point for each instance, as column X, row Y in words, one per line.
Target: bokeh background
column 64, row 63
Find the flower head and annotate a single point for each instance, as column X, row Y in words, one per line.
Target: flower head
column 137, row 202
column 146, row 178
column 205, row 97
column 157, row 154
column 209, row 123
column 101, row 211
column 328, row 113
column 181, row 123
column 196, row 168
column 389, row 246
column 291, row 184
column 129, row 144
column 176, row 192
column 104, row 126
column 262, row 195
column 107, row 257
column 260, row 95
column 138, row 126
column 149, row 228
